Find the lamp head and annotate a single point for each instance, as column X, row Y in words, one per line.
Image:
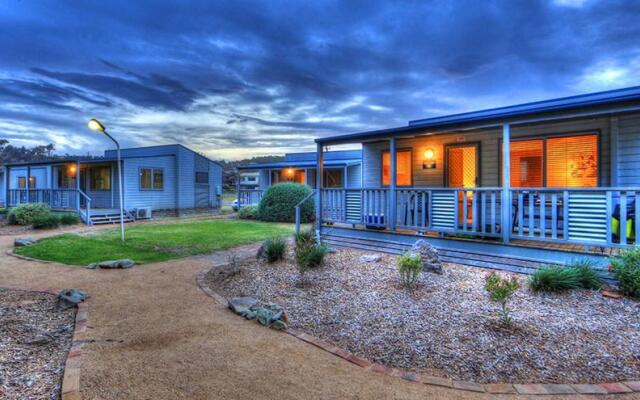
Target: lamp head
column 290, row 171
column 95, row 125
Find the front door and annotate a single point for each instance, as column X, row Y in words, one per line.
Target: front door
column 463, row 164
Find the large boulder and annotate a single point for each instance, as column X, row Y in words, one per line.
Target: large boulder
column 113, row 264
column 430, row 259
column 270, row 315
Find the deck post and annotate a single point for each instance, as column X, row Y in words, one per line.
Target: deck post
column 319, row 176
column 28, row 184
column 78, row 187
column 392, row 184
column 506, row 182
column 238, row 188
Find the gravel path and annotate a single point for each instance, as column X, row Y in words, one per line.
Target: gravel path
column 35, row 337
column 447, row 326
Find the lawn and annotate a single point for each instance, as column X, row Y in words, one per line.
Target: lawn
column 153, row 242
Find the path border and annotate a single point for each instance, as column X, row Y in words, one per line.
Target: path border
column 419, row 378
column 70, row 389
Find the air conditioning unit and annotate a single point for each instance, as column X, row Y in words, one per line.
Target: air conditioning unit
column 143, row 213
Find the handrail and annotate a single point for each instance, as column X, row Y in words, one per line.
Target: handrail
column 307, row 197
column 88, row 207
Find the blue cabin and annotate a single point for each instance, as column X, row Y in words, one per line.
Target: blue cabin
column 342, row 169
column 166, row 179
column 510, row 187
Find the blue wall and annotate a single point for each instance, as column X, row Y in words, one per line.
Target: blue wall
column 135, row 197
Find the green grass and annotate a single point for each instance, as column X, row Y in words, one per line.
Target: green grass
column 228, row 197
column 153, row 242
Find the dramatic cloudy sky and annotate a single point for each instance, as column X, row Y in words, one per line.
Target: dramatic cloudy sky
column 235, row 79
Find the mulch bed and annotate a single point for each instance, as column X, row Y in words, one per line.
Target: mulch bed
column 35, row 337
column 447, row 326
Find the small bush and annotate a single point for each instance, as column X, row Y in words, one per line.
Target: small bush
column 409, row 268
column 3, row 211
column 274, row 249
column 248, row 212
column 306, row 238
column 626, row 269
column 279, row 201
column 309, row 257
column 587, row 275
column 69, row 219
column 46, row 221
column 554, row 279
column 25, row 214
column 500, row 290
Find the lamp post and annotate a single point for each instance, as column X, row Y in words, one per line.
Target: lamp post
column 95, row 125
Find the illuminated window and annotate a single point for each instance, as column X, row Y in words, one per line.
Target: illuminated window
column 526, row 163
column 22, row 182
column 572, row 161
column 403, row 168
column 151, row 179
column 100, row 178
column 564, row 161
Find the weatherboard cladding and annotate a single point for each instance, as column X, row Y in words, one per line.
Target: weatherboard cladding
column 157, row 199
column 101, row 198
column 215, row 184
column 186, row 178
column 354, row 173
column 490, row 140
column 629, row 150
column 328, row 156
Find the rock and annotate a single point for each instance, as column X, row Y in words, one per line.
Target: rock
column 72, row 296
column 370, row 258
column 112, row 264
column 271, row 315
column 241, row 305
column 430, row 259
column 261, row 251
column 21, row 242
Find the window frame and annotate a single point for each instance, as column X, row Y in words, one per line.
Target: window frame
column 152, row 182
column 325, row 172
column 22, row 179
column 400, row 150
column 93, row 168
column 544, row 137
column 206, row 182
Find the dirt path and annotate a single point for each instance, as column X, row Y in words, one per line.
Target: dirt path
column 155, row 335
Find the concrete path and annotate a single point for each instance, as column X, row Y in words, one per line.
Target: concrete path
column 153, row 334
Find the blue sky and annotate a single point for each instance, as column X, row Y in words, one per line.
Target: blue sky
column 235, row 79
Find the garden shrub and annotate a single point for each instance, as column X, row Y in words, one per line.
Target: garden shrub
column 69, row 219
column 3, row 211
column 500, row 290
column 309, row 256
column 47, row 221
column 248, row 212
column 306, row 238
column 25, row 214
column 279, row 201
column 554, row 279
column 626, row 269
column 409, row 268
column 274, row 249
column 588, row 276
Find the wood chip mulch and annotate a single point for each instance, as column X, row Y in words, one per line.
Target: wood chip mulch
column 447, row 326
column 35, row 337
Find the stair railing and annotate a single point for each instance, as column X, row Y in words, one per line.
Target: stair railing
column 87, row 212
column 298, row 210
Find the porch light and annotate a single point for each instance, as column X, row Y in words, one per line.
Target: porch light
column 290, row 171
column 429, row 162
column 71, row 170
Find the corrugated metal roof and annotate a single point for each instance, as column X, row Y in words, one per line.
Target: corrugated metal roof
column 301, row 164
column 609, row 97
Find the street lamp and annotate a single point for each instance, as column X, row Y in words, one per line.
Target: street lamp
column 95, row 125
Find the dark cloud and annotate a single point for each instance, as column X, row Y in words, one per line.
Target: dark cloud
column 256, row 76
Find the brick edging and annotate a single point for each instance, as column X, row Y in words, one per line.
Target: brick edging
column 418, row 378
column 70, row 389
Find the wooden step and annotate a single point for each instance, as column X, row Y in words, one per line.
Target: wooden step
column 476, row 259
